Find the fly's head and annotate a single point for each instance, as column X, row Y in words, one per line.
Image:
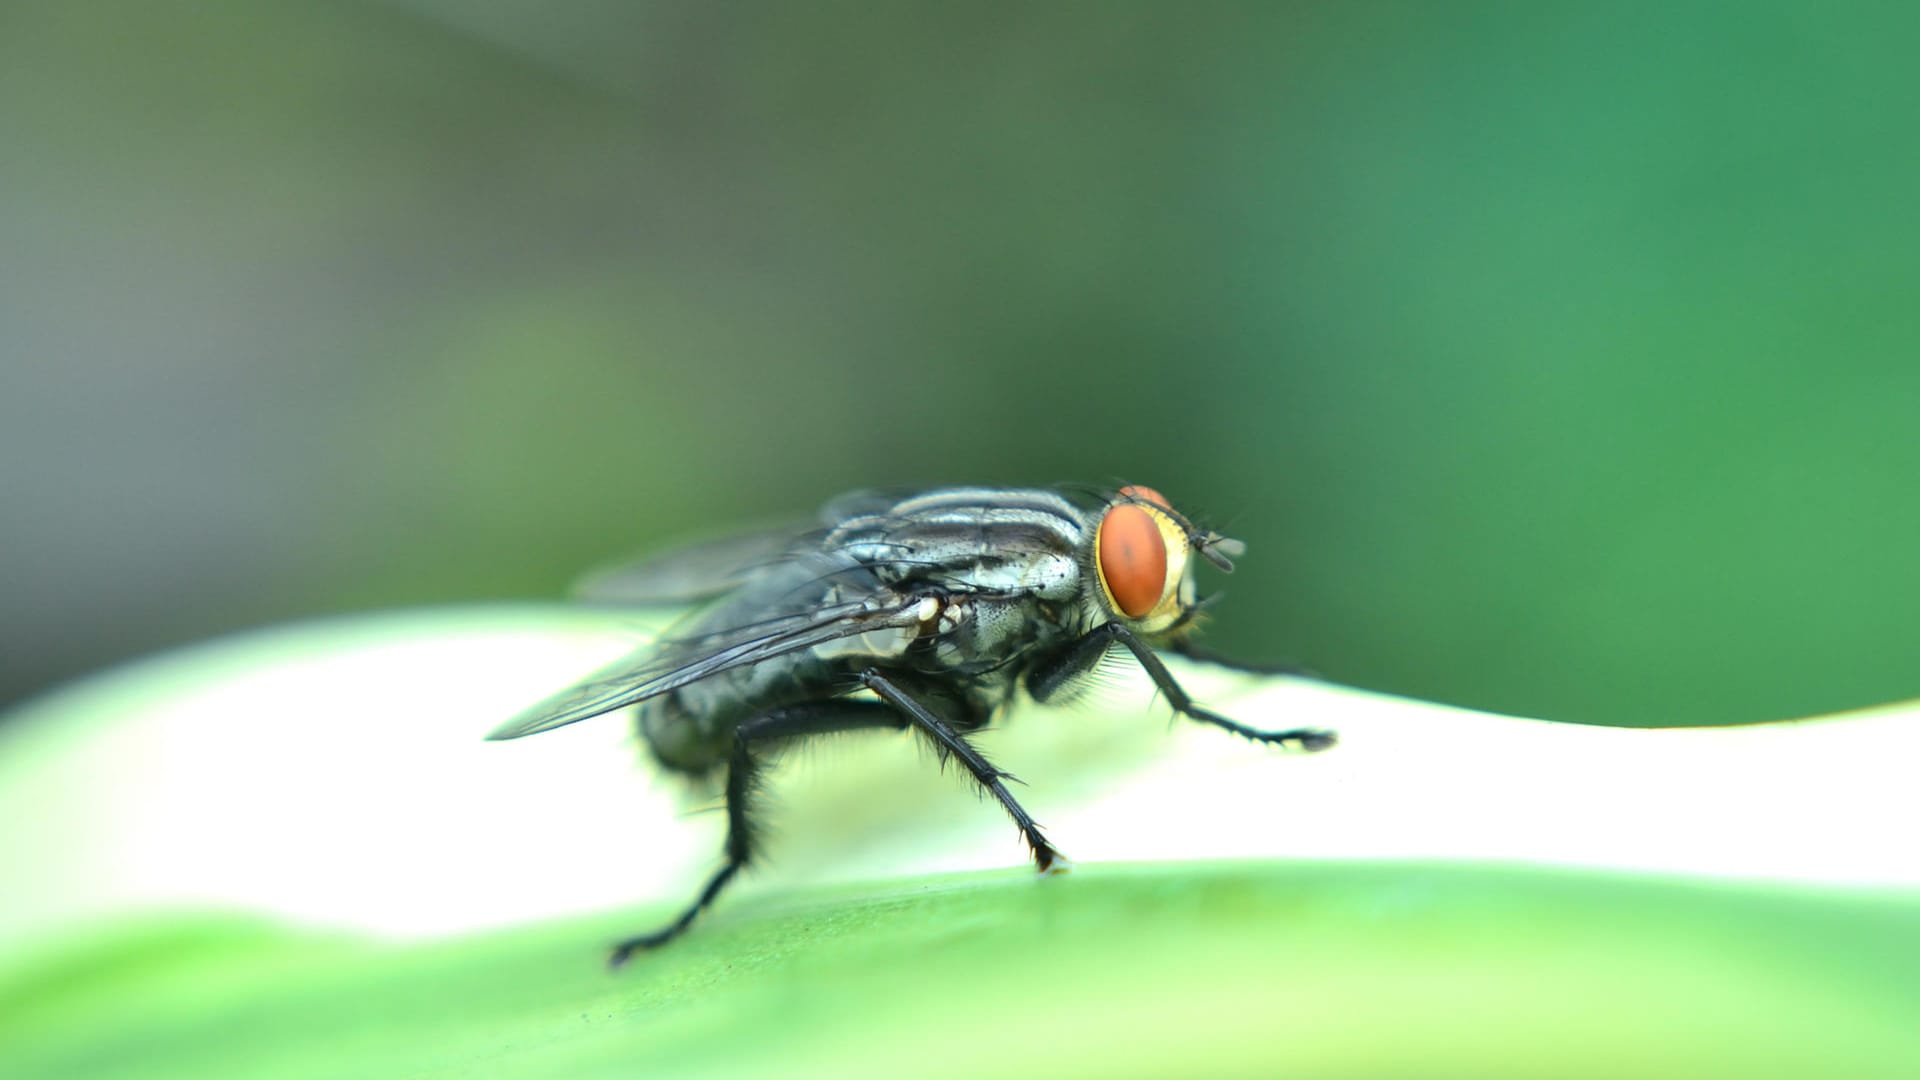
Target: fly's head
column 1144, row 558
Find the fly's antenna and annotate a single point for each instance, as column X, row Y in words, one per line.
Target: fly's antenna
column 1218, row 550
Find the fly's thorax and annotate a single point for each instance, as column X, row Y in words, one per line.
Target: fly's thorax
column 972, row 541
column 888, row 643
column 982, row 633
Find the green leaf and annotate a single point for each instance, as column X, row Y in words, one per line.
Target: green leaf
column 290, row 855
column 1251, row 969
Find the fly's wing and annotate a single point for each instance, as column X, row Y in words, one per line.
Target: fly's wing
column 864, row 503
column 677, row 663
column 692, row 572
column 704, row 569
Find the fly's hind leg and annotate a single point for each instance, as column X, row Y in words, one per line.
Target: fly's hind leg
column 817, row 718
column 1082, row 654
column 893, row 690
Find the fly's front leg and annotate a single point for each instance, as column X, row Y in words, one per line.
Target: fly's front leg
column 953, row 743
column 1084, row 653
column 742, row 767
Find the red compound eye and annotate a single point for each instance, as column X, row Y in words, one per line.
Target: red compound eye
column 1146, row 494
column 1132, row 555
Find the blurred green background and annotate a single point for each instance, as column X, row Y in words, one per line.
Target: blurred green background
column 1555, row 360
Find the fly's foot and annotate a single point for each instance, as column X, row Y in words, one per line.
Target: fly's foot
column 624, row 951
column 1046, row 858
column 1311, row 740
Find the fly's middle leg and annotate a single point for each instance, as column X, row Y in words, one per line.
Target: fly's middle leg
column 952, row 743
column 743, row 766
column 1082, row 654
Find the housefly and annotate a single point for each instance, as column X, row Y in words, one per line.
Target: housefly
column 926, row 613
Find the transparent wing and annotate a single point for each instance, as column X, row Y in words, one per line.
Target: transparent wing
column 862, row 503
column 693, row 571
column 706, row 568
column 678, row 662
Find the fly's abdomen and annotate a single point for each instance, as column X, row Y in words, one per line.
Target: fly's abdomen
column 692, row 728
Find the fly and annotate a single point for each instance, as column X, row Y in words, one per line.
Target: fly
column 925, row 613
